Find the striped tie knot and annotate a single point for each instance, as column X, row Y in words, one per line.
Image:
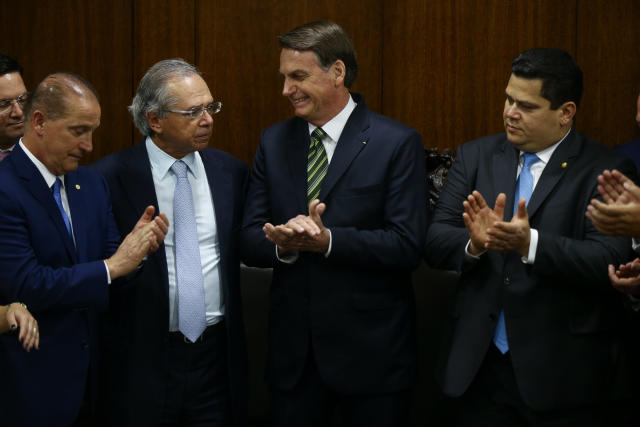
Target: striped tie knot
column 317, row 164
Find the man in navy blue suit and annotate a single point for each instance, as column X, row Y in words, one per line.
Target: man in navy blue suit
column 59, row 254
column 337, row 207
column 632, row 148
column 161, row 374
column 534, row 334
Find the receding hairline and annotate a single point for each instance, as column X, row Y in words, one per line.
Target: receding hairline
column 70, row 83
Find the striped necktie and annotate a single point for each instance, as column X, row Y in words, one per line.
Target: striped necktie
column 317, row 165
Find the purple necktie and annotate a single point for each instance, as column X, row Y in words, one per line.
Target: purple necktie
column 4, row 155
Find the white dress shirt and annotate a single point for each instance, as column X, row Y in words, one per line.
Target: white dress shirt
column 164, row 182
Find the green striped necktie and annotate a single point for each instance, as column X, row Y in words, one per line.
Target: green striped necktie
column 317, row 165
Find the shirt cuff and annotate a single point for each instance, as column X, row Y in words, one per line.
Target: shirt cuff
column 326, row 254
column 533, row 246
column 635, row 244
column 468, row 255
column 108, row 275
column 289, row 258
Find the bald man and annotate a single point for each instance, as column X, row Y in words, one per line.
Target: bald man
column 59, row 254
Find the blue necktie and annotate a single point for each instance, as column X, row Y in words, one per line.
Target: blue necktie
column 58, row 199
column 524, row 188
column 191, row 306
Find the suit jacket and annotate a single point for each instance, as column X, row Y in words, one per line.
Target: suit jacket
column 561, row 313
column 139, row 313
column 632, row 150
column 62, row 285
column 353, row 309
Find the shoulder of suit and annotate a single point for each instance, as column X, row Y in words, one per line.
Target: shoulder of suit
column 222, row 156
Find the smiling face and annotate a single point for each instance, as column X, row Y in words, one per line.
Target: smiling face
column 530, row 123
column 178, row 134
column 316, row 95
column 12, row 119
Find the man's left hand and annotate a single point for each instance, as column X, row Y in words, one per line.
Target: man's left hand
column 514, row 235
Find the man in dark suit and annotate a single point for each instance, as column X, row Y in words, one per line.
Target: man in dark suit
column 632, row 148
column 13, row 96
column 532, row 338
column 59, row 254
column 337, row 206
column 162, row 372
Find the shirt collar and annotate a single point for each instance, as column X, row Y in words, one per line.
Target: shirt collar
column 545, row 155
column 49, row 178
column 335, row 126
column 161, row 162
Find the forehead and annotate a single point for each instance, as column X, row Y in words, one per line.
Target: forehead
column 297, row 60
column 523, row 89
column 11, row 85
column 189, row 90
column 82, row 111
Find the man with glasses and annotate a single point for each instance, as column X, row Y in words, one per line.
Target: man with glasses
column 13, row 95
column 178, row 355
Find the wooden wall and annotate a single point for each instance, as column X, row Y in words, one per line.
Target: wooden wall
column 440, row 66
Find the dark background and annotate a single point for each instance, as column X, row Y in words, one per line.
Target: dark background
column 440, row 66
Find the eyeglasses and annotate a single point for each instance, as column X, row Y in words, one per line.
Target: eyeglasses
column 5, row 104
column 197, row 112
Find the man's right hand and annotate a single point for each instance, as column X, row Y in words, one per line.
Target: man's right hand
column 479, row 217
column 145, row 238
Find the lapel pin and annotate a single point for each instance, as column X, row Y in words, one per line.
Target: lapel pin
column 564, row 165
column 77, row 186
column 364, row 142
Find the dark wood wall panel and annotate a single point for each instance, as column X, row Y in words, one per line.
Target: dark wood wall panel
column 161, row 30
column 446, row 63
column 609, row 54
column 238, row 51
column 89, row 37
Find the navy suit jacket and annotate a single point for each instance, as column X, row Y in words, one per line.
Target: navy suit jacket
column 562, row 315
column 354, row 309
column 139, row 312
column 62, row 285
column 632, row 150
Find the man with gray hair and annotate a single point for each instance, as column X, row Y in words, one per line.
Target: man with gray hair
column 337, row 206
column 178, row 351
column 59, row 255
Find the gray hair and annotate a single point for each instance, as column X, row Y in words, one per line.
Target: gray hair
column 153, row 91
column 328, row 41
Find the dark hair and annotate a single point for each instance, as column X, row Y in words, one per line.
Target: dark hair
column 9, row 65
column 328, row 41
column 51, row 96
column 561, row 76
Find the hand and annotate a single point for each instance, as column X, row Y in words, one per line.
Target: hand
column 619, row 215
column 514, row 235
column 19, row 317
column 302, row 233
column 145, row 238
column 478, row 218
column 614, row 187
column 627, row 278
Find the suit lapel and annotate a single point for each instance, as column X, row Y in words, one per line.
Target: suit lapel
column 297, row 149
column 136, row 180
column 36, row 185
column 353, row 139
column 564, row 154
column 220, row 187
column 504, row 177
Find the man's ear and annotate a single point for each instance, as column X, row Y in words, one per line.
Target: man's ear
column 38, row 121
column 338, row 72
column 567, row 112
column 154, row 121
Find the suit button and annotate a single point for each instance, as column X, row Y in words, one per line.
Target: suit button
column 507, row 281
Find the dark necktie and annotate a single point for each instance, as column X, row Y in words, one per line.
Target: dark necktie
column 317, row 165
column 524, row 188
column 58, row 199
column 191, row 305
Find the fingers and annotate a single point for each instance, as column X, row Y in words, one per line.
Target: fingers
column 498, row 209
column 29, row 332
column 522, row 210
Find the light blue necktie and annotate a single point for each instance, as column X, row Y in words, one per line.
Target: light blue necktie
column 191, row 307
column 524, row 188
column 58, row 199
